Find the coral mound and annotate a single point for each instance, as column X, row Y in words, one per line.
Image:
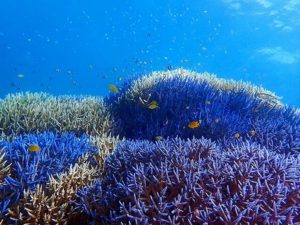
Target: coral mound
column 194, row 182
column 164, row 104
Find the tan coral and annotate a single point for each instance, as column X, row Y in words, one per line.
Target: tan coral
column 51, row 203
column 105, row 144
column 28, row 112
column 4, row 167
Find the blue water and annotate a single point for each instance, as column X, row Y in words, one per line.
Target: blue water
column 79, row 47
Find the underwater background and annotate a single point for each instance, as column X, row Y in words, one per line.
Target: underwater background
column 150, row 112
column 79, row 47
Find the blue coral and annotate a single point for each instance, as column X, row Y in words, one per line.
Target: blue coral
column 194, row 182
column 223, row 113
column 57, row 153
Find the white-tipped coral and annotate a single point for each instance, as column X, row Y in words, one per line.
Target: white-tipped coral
column 144, row 84
column 36, row 112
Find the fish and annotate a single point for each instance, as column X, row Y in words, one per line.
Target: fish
column 103, row 76
column 34, row 148
column 207, row 102
column 20, row 75
column 12, row 84
column 252, row 132
column 120, row 78
column 113, row 88
column 166, row 122
column 237, row 135
column 169, row 67
column 158, row 138
column 194, row 124
column 217, row 120
column 153, row 105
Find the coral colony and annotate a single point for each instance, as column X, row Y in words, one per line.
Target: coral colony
column 172, row 147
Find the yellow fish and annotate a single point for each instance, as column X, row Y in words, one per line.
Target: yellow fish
column 20, row 75
column 153, row 105
column 194, row 124
column 237, row 135
column 34, row 148
column 158, row 138
column 113, row 88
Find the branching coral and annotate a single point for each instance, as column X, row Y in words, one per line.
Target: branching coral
column 28, row 112
column 4, row 172
column 194, row 182
column 105, row 145
column 50, row 203
column 4, row 167
column 225, row 110
column 28, row 169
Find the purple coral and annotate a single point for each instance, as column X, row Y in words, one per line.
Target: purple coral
column 194, row 182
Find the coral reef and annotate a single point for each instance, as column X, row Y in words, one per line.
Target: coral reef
column 198, row 150
column 223, row 110
column 36, row 112
column 194, row 182
column 29, row 169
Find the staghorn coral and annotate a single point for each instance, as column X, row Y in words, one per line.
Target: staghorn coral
column 226, row 110
column 105, row 145
column 4, row 167
column 4, row 172
column 29, row 169
column 194, row 182
column 50, row 203
column 36, row 112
